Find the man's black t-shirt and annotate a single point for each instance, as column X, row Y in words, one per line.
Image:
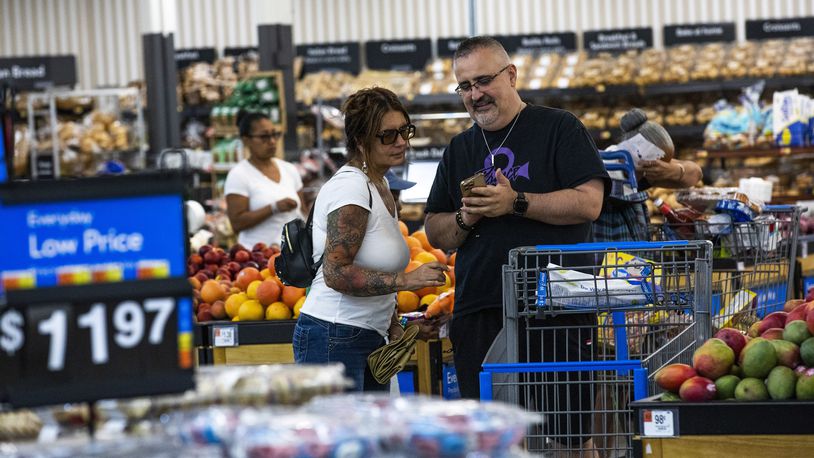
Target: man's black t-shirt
column 547, row 150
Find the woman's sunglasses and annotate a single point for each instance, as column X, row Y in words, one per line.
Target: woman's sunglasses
column 388, row 137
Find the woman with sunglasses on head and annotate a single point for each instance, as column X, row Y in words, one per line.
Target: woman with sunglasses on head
column 350, row 308
column 262, row 192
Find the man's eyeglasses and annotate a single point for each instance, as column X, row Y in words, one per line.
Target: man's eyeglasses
column 267, row 137
column 480, row 82
column 388, row 137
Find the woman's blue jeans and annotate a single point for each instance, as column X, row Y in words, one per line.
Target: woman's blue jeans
column 317, row 341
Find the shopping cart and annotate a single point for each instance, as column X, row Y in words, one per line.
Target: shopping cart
column 584, row 322
column 753, row 263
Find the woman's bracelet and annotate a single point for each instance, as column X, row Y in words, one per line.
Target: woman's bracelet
column 459, row 218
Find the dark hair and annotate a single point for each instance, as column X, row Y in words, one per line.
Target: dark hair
column 246, row 120
column 635, row 122
column 472, row 44
column 363, row 112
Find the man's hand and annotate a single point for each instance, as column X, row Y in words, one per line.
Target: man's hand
column 490, row 201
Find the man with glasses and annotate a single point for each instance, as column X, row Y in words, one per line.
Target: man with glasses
column 545, row 184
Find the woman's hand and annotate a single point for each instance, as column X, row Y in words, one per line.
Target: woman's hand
column 428, row 327
column 287, row 204
column 428, row 274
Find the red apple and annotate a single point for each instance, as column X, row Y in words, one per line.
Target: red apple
column 259, row 258
column 202, row 276
column 204, row 249
column 235, row 248
column 211, row 257
column 234, row 267
column 259, row 246
column 195, row 259
column 241, row 256
column 204, row 316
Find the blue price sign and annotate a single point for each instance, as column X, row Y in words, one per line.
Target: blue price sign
column 92, row 241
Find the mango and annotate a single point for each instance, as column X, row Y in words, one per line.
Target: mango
column 758, row 358
column 805, row 385
column 751, row 389
column 799, row 313
column 807, row 351
column 698, row 389
column 781, row 383
column 772, row 320
column 668, row 396
column 726, row 386
column 753, row 329
column 773, row 334
column 788, row 353
column 796, row 332
column 671, row 377
column 713, row 359
column 734, row 338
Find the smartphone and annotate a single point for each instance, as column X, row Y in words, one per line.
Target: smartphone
column 472, row 182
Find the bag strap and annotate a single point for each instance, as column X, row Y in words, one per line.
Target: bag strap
column 309, row 223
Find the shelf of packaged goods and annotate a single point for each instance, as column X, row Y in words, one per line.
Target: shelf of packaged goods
column 747, row 153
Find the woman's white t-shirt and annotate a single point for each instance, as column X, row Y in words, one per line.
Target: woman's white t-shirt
column 245, row 180
column 383, row 249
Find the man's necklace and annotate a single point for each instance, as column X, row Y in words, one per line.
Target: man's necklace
column 491, row 152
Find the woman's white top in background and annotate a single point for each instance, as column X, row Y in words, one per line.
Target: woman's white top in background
column 245, row 180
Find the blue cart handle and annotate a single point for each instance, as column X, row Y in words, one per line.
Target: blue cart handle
column 602, row 246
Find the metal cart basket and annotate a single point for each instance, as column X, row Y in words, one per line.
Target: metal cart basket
column 572, row 311
column 753, row 263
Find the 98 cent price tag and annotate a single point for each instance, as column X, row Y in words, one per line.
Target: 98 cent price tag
column 659, row 423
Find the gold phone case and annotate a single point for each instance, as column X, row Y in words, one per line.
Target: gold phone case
column 472, row 182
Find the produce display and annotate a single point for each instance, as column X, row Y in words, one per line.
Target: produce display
column 429, row 302
column 773, row 360
column 240, row 285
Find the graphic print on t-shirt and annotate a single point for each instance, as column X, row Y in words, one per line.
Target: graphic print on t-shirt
column 510, row 170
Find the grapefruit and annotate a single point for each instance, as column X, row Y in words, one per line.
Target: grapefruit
column 278, row 311
column 268, row 292
column 291, row 294
column 233, row 303
column 251, row 291
column 407, row 301
column 250, row 310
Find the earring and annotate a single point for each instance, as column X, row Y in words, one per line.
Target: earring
column 364, row 167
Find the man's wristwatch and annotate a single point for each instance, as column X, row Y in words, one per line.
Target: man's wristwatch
column 521, row 205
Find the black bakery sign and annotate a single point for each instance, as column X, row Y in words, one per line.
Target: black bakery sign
column 332, row 57
column 761, row 29
column 186, row 57
column 547, row 42
column 398, row 55
column 723, row 32
column 445, row 47
column 617, row 40
column 38, row 72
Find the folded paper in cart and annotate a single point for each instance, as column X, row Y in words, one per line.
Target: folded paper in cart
column 573, row 289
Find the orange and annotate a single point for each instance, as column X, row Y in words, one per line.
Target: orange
column 447, row 284
column 291, row 294
column 422, row 237
column 411, row 266
column 298, row 307
column 268, row 292
column 251, row 291
column 413, row 242
column 278, row 311
column 426, row 291
column 425, row 257
column 233, row 303
column 212, row 291
column 427, row 300
column 451, row 260
column 403, row 228
column 250, row 310
column 407, row 301
column 439, row 255
column 414, row 250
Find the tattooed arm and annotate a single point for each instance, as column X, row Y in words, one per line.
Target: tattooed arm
column 346, row 231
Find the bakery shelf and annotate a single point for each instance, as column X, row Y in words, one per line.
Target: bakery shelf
column 746, row 153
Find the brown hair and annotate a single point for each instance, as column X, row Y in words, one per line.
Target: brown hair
column 635, row 122
column 363, row 112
